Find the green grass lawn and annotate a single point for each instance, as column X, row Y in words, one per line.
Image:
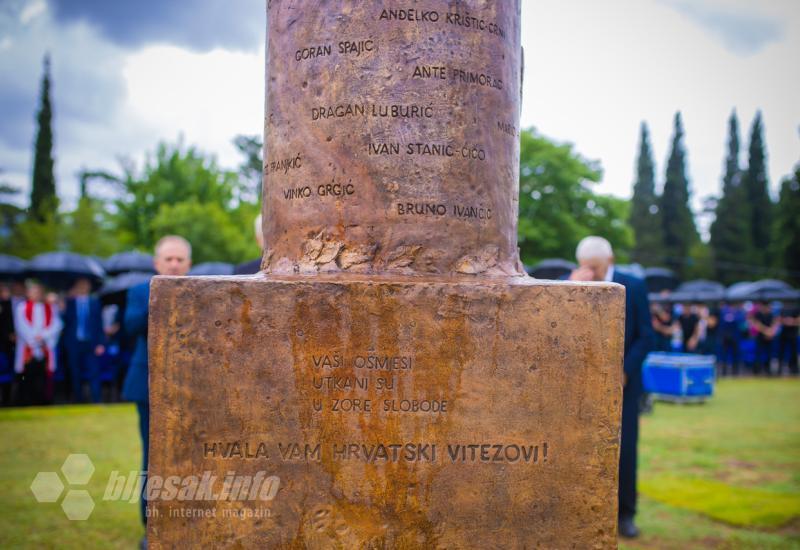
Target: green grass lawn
column 725, row 474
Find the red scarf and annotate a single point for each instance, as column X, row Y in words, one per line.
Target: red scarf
column 48, row 318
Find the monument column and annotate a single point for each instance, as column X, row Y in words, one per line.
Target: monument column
column 391, row 137
column 393, row 374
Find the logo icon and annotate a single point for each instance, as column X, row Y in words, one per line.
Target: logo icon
column 77, row 504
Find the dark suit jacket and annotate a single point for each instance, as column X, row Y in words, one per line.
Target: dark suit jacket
column 248, row 268
column 6, row 329
column 639, row 336
column 94, row 328
column 135, row 387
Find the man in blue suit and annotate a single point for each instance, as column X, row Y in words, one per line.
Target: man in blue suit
column 173, row 256
column 596, row 263
column 83, row 339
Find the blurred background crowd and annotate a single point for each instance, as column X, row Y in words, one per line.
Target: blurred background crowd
column 750, row 327
column 63, row 337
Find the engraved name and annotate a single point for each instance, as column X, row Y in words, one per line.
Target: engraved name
column 367, row 110
column 458, row 76
column 470, row 152
column 345, row 47
column 462, row 20
column 441, row 210
column 322, row 190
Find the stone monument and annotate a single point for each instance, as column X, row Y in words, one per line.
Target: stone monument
column 392, row 371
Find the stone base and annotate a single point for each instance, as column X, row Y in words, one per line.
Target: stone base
column 393, row 413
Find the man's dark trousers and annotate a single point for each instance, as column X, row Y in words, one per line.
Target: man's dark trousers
column 639, row 341
column 81, row 359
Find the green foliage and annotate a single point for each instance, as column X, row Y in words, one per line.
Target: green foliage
column 10, row 215
column 87, row 230
column 645, row 218
column 557, row 207
column 757, row 185
column 251, row 147
column 215, row 234
column 787, row 227
column 44, row 201
column 731, row 232
column 699, row 264
column 35, row 235
column 677, row 221
column 184, row 192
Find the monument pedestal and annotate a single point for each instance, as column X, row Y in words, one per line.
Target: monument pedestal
column 385, row 412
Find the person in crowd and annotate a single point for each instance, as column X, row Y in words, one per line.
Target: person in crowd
column 38, row 326
column 6, row 346
column 709, row 333
column 689, row 322
column 790, row 321
column 110, row 315
column 253, row 266
column 764, row 324
column 731, row 321
column 173, row 256
column 82, row 339
column 596, row 263
column 662, row 325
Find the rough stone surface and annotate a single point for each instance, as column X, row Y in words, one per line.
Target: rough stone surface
column 392, row 372
column 389, row 126
column 532, row 367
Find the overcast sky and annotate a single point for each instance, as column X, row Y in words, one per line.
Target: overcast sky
column 127, row 74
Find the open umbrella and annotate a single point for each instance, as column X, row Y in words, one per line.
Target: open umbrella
column 11, row 267
column 552, row 268
column 634, row 270
column 114, row 291
column 699, row 290
column 129, row 261
column 61, row 269
column 764, row 290
column 659, row 279
column 212, row 268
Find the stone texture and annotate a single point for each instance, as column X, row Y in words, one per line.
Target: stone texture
column 534, row 367
column 390, row 200
column 388, row 127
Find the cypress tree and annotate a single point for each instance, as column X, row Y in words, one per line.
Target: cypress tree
column 644, row 215
column 731, row 232
column 757, row 189
column 677, row 221
column 44, row 201
column 787, row 227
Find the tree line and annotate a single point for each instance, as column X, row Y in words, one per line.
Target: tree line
column 179, row 189
column 751, row 236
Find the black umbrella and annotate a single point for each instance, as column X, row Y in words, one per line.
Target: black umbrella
column 764, row 290
column 660, row 278
column 125, row 262
column 634, row 270
column 114, row 291
column 552, row 268
column 11, row 267
column 699, row 290
column 212, row 268
column 61, row 269
column 659, row 298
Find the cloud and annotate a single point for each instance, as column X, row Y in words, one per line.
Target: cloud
column 742, row 32
column 200, row 26
column 88, row 91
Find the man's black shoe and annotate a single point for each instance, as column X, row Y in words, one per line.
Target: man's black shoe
column 627, row 528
